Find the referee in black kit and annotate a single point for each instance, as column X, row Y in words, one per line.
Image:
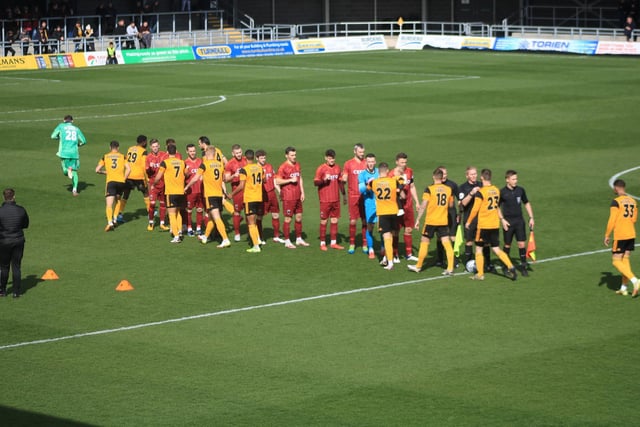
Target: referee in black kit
column 512, row 198
column 13, row 220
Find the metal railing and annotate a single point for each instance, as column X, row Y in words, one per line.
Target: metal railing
column 391, row 28
column 507, row 30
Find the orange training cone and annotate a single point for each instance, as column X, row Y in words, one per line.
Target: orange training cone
column 124, row 285
column 50, row 275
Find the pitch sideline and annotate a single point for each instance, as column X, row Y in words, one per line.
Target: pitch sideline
column 268, row 305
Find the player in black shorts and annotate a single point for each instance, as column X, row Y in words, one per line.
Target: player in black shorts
column 512, row 198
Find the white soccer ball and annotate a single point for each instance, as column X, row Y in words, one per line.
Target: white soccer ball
column 471, row 266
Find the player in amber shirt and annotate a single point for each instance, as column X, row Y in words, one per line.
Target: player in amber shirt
column 330, row 185
column 211, row 171
column 204, row 142
column 350, row 173
column 486, row 208
column 136, row 156
column 251, row 178
column 436, row 200
column 116, row 168
column 289, row 178
column 385, row 192
column 232, row 175
column 194, row 195
column 623, row 214
column 270, row 197
column 156, row 193
column 173, row 170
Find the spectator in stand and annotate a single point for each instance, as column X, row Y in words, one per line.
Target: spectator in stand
column 56, row 39
column 78, row 37
column 145, row 36
column 186, row 5
column 121, row 34
column 629, row 29
column 88, row 35
column 41, row 39
column 9, row 38
column 132, row 33
column 25, row 39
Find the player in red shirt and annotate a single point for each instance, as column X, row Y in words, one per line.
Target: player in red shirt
column 232, row 175
column 350, row 173
column 194, row 195
column 289, row 179
column 409, row 199
column 156, row 193
column 270, row 197
column 328, row 179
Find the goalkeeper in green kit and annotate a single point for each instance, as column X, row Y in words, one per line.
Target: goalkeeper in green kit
column 70, row 137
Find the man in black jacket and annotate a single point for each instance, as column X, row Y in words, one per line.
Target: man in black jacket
column 13, row 219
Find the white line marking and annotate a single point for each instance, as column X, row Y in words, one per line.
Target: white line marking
column 30, row 79
column 619, row 174
column 136, row 113
column 261, row 306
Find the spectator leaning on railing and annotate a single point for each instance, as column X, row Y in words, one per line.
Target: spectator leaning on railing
column 9, row 38
column 132, row 32
column 629, row 29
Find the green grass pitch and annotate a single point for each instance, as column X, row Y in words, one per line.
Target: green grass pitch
column 222, row 337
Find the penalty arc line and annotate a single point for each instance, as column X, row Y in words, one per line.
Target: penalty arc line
column 263, row 306
column 619, row 174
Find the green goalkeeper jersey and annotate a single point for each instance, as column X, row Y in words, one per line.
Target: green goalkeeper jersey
column 70, row 137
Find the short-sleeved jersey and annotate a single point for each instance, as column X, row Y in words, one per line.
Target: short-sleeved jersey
column 174, row 174
column 385, row 193
column 511, row 201
column 463, row 190
column 408, row 179
column 114, row 166
column 152, row 165
column 352, row 168
column 269, row 178
column 192, row 166
column 217, row 155
column 232, row 166
column 328, row 190
column 363, row 184
column 290, row 190
column 439, row 198
column 212, row 172
column 485, row 206
column 623, row 214
column 253, row 176
column 137, row 158
column 70, row 138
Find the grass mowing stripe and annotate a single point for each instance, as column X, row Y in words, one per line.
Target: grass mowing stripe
column 268, row 305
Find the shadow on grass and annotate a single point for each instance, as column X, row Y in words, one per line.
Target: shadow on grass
column 140, row 213
column 612, row 282
column 30, row 282
column 16, row 417
column 82, row 186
